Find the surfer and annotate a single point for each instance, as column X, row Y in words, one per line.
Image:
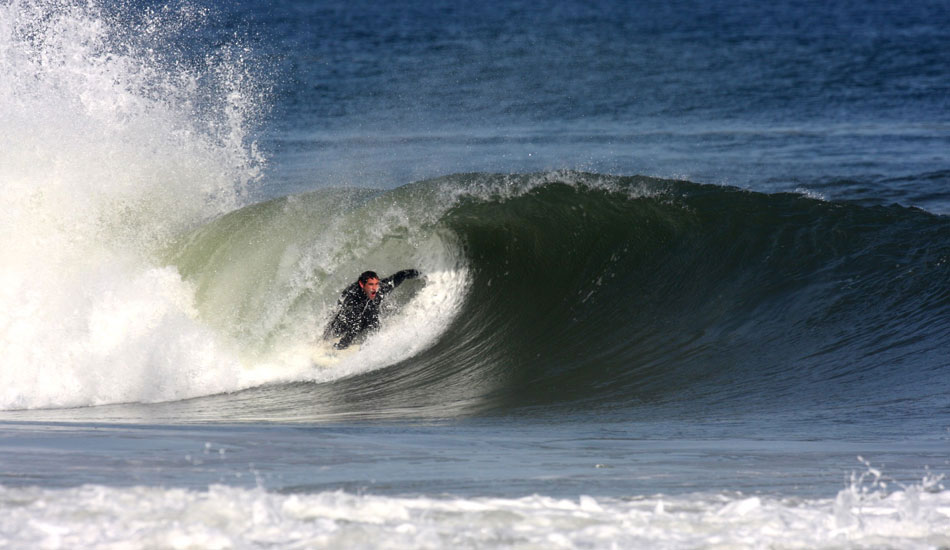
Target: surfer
column 358, row 307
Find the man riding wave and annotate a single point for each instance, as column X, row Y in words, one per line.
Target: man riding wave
column 358, row 306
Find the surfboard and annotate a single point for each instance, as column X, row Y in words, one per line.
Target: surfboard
column 322, row 353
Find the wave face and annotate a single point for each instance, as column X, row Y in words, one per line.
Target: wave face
column 643, row 289
column 608, row 292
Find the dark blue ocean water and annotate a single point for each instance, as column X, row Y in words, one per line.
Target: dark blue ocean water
column 847, row 99
column 687, row 274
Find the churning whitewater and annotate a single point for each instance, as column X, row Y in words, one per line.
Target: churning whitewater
column 253, row 518
column 110, row 149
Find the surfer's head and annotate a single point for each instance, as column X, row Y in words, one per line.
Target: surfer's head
column 369, row 282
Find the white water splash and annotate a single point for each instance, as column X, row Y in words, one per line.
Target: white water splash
column 110, row 149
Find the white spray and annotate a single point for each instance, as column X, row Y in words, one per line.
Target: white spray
column 105, row 154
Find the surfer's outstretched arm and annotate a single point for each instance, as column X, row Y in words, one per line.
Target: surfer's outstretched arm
column 398, row 278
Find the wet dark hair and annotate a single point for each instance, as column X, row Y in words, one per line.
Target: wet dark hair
column 367, row 275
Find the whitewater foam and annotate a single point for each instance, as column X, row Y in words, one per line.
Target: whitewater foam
column 110, row 149
column 225, row 517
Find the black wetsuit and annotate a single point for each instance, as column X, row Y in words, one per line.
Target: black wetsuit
column 357, row 314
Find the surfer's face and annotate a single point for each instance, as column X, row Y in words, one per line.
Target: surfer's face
column 370, row 287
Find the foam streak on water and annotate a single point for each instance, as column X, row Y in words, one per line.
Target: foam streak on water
column 223, row 517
